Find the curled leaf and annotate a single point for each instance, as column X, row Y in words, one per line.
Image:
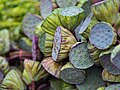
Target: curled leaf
column 52, row 67
column 33, row 71
column 13, row 81
column 63, row 40
column 110, row 77
column 4, row 66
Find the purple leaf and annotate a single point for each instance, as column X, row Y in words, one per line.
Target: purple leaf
column 35, row 49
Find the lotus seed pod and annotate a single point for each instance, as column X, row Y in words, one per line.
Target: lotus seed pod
column 13, row 81
column 29, row 23
column 106, row 63
column 79, row 56
column 25, row 44
column 66, row 3
column 115, row 56
column 4, row 41
column 58, row 84
column 46, row 44
column 70, row 17
column 113, row 87
column 50, row 24
column 93, row 79
column 4, row 66
column 110, row 77
column 101, row 88
column 63, row 40
column 52, row 67
column 106, row 10
column 72, row 75
column 45, row 8
column 33, row 71
column 102, row 35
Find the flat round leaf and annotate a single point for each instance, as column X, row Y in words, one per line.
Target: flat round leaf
column 102, row 35
column 93, row 79
column 106, row 63
column 66, row 3
column 80, row 57
column 72, row 75
column 58, row 84
column 45, row 7
column 113, row 87
column 115, row 56
column 29, row 23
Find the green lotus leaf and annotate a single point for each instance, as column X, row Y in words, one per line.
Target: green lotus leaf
column 63, row 40
column 33, row 71
column 79, row 56
column 25, row 44
column 115, row 56
column 93, row 79
column 102, row 35
column 71, row 17
column 29, row 23
column 4, row 41
column 106, row 10
column 13, row 81
column 72, row 75
column 113, row 87
column 46, row 44
column 52, row 67
column 58, row 84
column 50, row 24
column 4, row 65
column 110, row 77
column 45, row 7
column 66, row 3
